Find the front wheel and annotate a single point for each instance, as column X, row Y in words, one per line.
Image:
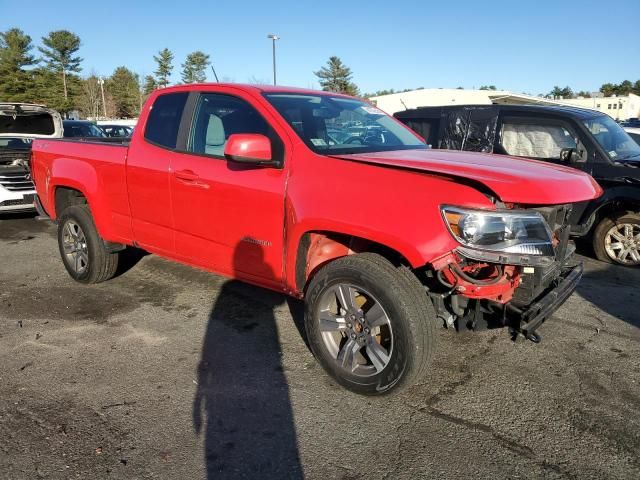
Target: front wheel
column 617, row 240
column 81, row 248
column 370, row 324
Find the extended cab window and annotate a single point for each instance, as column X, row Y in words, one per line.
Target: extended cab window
column 536, row 138
column 217, row 118
column 164, row 119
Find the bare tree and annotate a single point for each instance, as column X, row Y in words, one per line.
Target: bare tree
column 253, row 80
column 90, row 99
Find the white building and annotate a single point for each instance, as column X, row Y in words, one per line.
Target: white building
column 436, row 97
column 620, row 108
column 617, row 107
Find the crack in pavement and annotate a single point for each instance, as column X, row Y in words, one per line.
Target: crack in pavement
column 450, row 388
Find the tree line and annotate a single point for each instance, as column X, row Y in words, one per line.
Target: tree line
column 608, row 89
column 49, row 74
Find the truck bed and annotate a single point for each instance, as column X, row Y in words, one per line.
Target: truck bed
column 100, row 164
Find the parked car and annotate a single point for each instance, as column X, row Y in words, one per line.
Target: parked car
column 118, row 131
column 82, row 129
column 379, row 237
column 20, row 123
column 634, row 133
column 576, row 137
column 631, row 123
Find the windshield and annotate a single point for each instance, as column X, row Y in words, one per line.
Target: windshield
column 332, row 125
column 613, row 139
column 12, row 123
column 81, row 129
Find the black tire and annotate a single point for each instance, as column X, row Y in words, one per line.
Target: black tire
column 602, row 230
column 407, row 307
column 101, row 265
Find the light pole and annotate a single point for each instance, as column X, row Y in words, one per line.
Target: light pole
column 274, row 37
column 104, row 105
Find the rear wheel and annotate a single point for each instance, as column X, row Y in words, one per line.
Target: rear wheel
column 617, row 240
column 369, row 324
column 81, row 248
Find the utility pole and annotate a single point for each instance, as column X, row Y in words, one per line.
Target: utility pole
column 104, row 105
column 274, row 37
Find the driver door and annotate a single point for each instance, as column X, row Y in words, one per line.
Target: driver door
column 228, row 217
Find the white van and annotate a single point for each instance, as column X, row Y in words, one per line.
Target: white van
column 20, row 123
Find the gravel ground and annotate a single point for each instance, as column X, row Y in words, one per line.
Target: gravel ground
column 170, row 372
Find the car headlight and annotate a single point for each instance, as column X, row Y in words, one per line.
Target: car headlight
column 519, row 234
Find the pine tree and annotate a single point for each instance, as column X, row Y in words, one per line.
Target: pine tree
column 336, row 77
column 60, row 48
column 15, row 82
column 164, row 60
column 124, row 87
column 48, row 89
column 150, row 85
column 195, row 66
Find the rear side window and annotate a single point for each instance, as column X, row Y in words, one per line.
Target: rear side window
column 164, row 119
column 427, row 129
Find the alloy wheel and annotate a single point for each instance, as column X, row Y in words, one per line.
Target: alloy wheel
column 355, row 329
column 622, row 243
column 75, row 247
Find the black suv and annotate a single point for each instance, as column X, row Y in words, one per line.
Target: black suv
column 576, row 137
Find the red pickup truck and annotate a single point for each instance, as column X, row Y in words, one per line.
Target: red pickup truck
column 326, row 198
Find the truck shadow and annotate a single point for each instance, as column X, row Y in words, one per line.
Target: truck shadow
column 242, row 404
column 613, row 289
column 129, row 258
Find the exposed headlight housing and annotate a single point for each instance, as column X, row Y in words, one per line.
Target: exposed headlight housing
column 520, row 237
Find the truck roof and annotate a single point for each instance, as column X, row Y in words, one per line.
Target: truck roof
column 251, row 87
column 576, row 112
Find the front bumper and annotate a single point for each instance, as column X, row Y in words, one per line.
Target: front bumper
column 16, row 201
column 532, row 316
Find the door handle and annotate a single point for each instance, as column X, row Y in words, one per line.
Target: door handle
column 186, row 175
column 190, row 178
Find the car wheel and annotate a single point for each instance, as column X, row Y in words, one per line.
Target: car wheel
column 81, row 248
column 617, row 240
column 369, row 324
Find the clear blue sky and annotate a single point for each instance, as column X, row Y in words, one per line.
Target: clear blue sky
column 525, row 46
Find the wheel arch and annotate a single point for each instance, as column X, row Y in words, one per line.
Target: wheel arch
column 316, row 248
column 613, row 207
column 65, row 197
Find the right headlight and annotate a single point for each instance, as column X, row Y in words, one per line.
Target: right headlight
column 511, row 235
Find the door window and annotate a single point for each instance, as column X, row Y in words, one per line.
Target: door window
column 164, row 119
column 536, row 138
column 217, row 118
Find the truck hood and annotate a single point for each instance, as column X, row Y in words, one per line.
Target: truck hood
column 513, row 180
column 27, row 120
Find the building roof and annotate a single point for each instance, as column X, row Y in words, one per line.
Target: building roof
column 396, row 102
column 576, row 112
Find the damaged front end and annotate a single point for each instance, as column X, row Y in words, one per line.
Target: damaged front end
column 514, row 268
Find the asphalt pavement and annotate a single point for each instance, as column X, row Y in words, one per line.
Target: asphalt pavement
column 170, row 372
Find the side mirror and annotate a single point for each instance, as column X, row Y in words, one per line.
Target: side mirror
column 249, row 148
column 566, row 154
